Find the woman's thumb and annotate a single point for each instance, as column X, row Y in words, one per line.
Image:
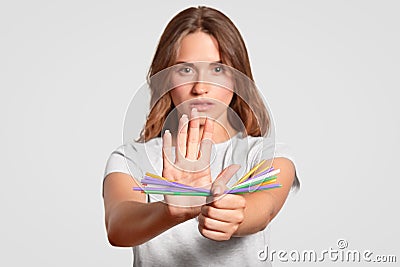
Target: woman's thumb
column 219, row 185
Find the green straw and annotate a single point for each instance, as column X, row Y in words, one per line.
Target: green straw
column 262, row 189
column 177, row 193
column 254, row 183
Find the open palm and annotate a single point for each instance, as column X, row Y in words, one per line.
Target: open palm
column 191, row 165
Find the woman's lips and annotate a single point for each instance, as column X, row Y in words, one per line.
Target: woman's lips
column 201, row 105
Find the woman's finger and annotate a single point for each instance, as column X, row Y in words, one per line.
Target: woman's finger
column 206, row 142
column 208, row 129
column 182, row 138
column 222, row 214
column 214, row 225
column 193, row 138
column 214, row 235
column 167, row 149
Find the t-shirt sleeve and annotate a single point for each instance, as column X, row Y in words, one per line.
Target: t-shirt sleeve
column 282, row 150
column 116, row 163
column 268, row 149
column 125, row 160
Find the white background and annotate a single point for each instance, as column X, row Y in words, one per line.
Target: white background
column 329, row 70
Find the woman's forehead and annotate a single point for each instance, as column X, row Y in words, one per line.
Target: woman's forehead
column 198, row 46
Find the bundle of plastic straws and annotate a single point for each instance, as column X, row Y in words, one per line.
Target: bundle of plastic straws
column 263, row 180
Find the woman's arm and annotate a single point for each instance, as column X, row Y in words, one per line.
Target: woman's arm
column 263, row 206
column 240, row 215
column 130, row 221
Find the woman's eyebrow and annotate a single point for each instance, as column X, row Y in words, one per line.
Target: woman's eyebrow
column 216, row 62
column 184, row 63
column 192, row 64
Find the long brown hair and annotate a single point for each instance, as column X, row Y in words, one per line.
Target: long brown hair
column 233, row 52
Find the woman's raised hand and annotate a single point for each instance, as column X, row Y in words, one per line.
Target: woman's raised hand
column 192, row 161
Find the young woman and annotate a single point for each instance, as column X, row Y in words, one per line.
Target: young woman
column 207, row 120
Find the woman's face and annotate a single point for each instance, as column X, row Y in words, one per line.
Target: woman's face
column 199, row 64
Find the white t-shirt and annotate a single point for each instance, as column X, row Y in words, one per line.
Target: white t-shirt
column 183, row 245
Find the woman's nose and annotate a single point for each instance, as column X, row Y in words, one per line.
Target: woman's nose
column 199, row 88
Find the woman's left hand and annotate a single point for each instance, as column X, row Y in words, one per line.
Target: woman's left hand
column 220, row 219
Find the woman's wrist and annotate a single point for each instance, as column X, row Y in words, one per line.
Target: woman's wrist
column 180, row 214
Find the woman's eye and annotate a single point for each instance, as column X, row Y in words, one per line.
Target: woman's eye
column 218, row 69
column 186, row 70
